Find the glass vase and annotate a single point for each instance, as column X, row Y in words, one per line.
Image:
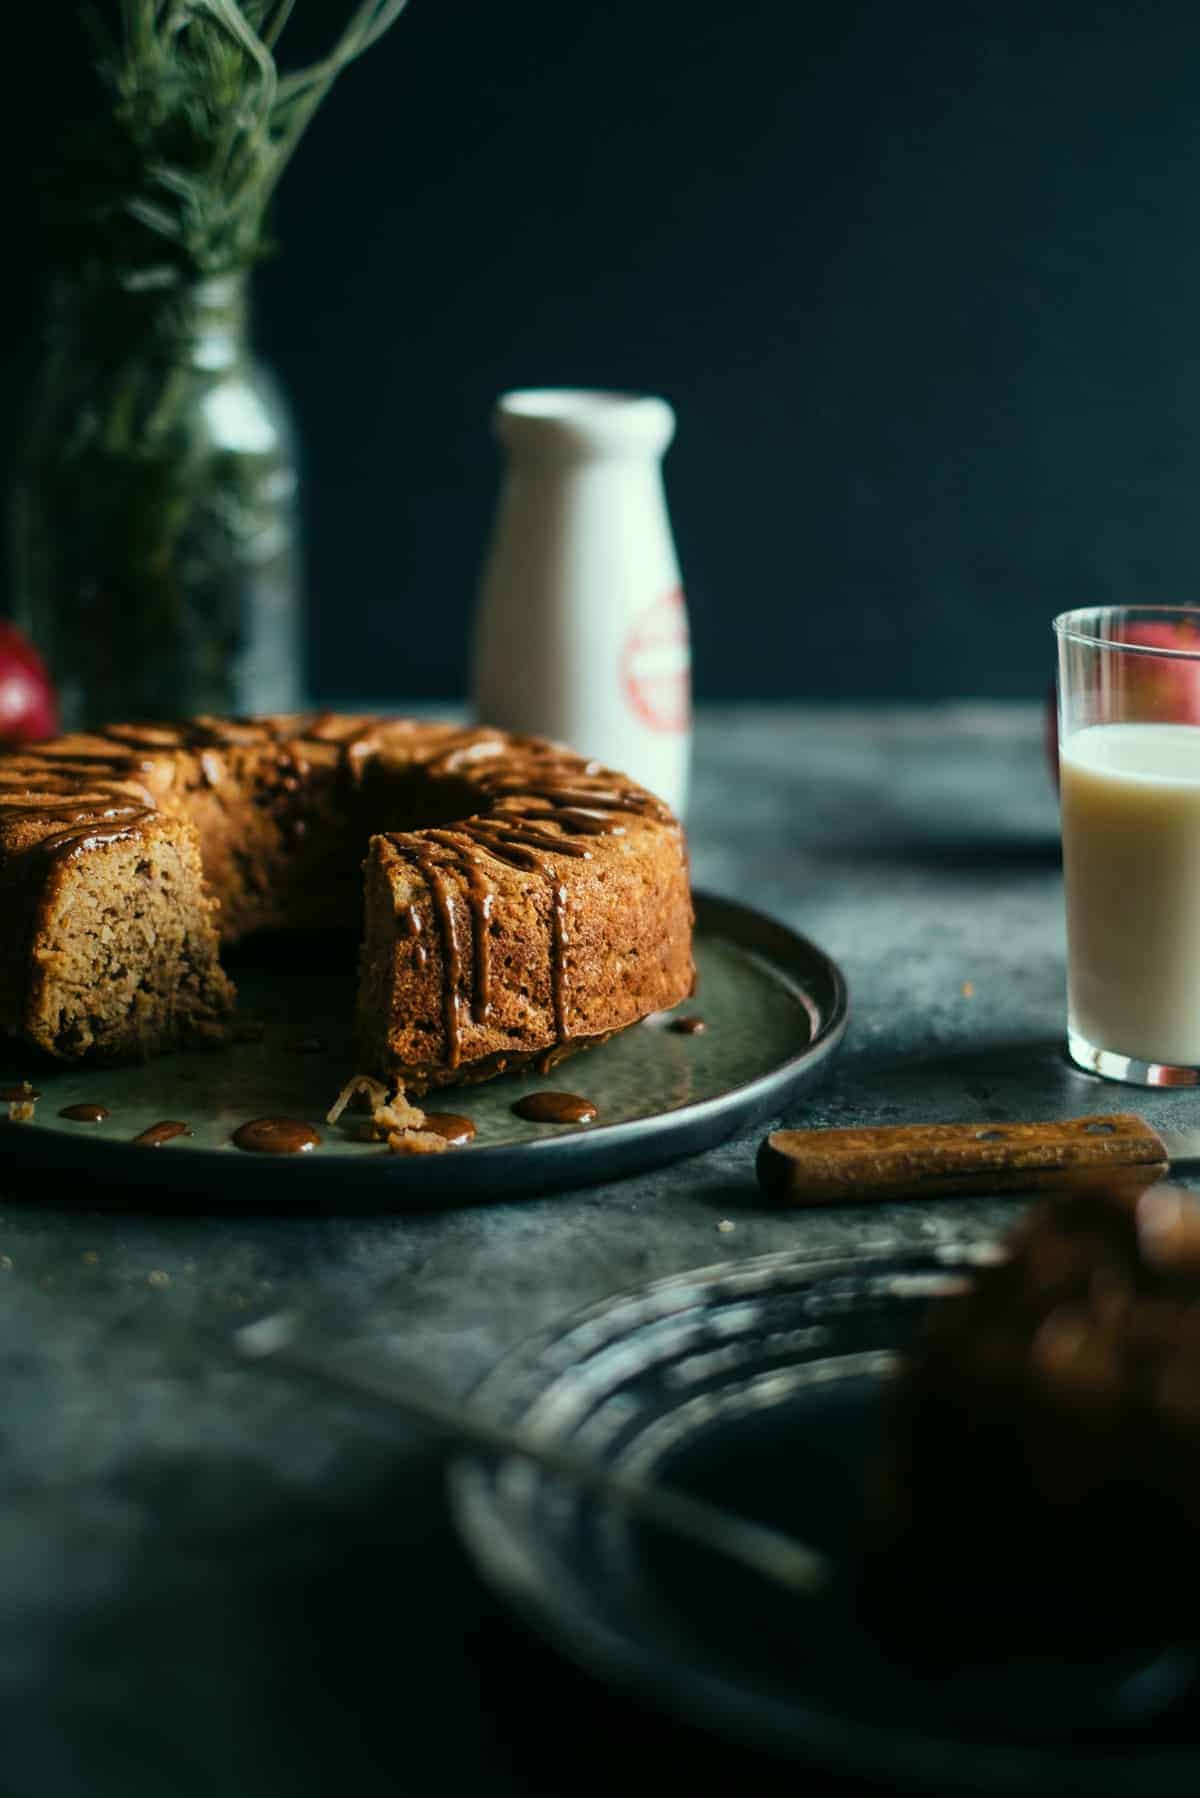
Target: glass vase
column 155, row 530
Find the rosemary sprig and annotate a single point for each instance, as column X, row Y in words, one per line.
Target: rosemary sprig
column 173, row 180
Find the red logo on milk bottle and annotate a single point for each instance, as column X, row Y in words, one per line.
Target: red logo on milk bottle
column 656, row 665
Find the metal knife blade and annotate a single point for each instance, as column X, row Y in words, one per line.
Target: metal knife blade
column 1183, row 1148
column 772, row 1555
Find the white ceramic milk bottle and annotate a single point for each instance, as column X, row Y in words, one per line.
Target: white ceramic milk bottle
column 581, row 632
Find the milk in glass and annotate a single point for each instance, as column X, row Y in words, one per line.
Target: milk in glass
column 1131, row 865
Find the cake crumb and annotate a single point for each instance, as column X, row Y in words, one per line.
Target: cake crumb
column 397, row 1114
column 360, row 1093
column 726, row 1227
column 391, row 1114
column 22, row 1102
column 967, row 989
column 416, row 1142
column 158, row 1277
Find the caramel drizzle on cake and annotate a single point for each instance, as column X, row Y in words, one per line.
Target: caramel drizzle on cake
column 532, row 820
column 92, row 811
column 90, row 788
column 537, row 806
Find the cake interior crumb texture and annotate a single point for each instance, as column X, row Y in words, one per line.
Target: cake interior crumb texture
column 519, row 901
column 125, row 964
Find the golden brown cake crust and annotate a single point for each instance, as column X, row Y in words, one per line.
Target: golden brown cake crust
column 521, row 900
column 556, row 913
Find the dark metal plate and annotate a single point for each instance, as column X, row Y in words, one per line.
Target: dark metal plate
column 756, row 1385
column 775, row 1009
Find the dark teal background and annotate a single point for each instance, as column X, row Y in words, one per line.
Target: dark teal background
column 922, row 281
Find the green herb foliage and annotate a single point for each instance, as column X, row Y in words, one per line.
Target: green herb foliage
column 154, row 551
column 173, row 179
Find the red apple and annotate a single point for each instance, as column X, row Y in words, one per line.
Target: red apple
column 1050, row 732
column 1159, row 689
column 1163, row 689
column 28, row 708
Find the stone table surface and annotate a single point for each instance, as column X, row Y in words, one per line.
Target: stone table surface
column 213, row 1581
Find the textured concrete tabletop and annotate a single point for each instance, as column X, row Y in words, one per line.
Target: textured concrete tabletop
column 212, row 1581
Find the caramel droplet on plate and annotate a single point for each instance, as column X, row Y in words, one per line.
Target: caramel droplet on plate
column 556, row 1108
column 455, row 1129
column 276, row 1136
column 157, row 1134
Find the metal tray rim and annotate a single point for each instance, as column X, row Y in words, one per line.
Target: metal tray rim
column 604, row 1152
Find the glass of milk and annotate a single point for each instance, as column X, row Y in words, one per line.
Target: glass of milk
column 1129, row 756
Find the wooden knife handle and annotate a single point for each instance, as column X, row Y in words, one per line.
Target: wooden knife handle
column 829, row 1167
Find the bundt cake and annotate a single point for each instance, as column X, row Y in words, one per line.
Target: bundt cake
column 519, row 900
column 1038, row 1489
